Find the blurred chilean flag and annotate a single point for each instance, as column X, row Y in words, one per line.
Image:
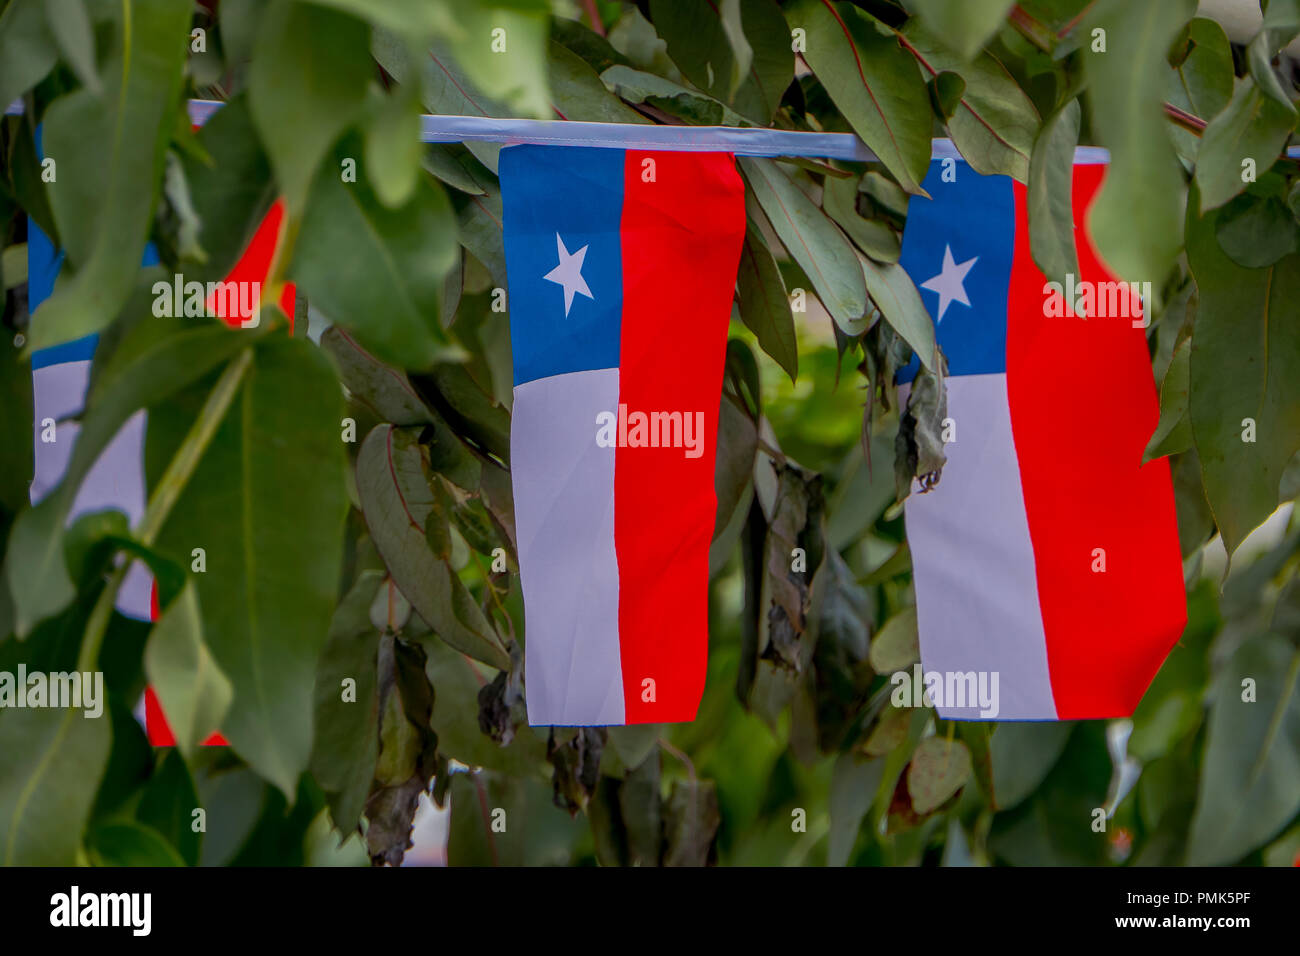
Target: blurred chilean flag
column 1047, row 554
column 621, row 267
column 60, row 377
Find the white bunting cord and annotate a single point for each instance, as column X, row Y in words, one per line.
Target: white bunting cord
column 740, row 141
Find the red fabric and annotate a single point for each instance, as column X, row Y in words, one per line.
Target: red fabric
column 682, row 234
column 1083, row 406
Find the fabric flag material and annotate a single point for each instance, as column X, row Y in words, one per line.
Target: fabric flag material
column 1046, row 560
column 621, row 267
column 60, row 379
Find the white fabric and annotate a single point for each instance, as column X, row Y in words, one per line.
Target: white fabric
column 564, row 521
column 970, row 620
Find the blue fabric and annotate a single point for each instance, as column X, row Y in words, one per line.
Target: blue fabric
column 577, row 193
column 974, row 217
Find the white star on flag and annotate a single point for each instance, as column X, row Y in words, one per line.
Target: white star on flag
column 949, row 282
column 569, row 274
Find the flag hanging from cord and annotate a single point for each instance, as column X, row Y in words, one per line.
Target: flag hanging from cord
column 621, row 266
column 1046, row 560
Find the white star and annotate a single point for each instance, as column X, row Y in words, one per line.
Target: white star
column 949, row 282
column 569, row 274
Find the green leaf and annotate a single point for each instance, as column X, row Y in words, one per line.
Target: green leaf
column 1023, row 754
column 579, row 92
column 895, row 295
column 393, row 481
column 1245, row 342
column 946, row 89
column 306, row 85
column 1257, row 231
column 854, row 782
column 232, row 193
column 764, row 305
column 706, row 41
column 266, row 502
column 994, row 123
column 1252, row 127
column 168, row 803
column 38, row 577
column 964, row 26
column 443, row 161
column 377, row 271
column 897, row 646
column 393, row 149
column 1051, row 183
column 872, row 236
column 812, row 240
column 109, row 152
column 51, row 759
column 939, row 768
column 130, row 844
column 27, row 48
column 1173, row 433
column 636, row 86
column 537, row 832
column 193, row 691
column 414, row 19
column 502, row 49
column 480, row 227
column 70, row 25
column 873, row 81
column 737, row 51
column 382, row 388
column 1250, row 780
column 1052, row 827
column 1201, row 83
column 1125, row 90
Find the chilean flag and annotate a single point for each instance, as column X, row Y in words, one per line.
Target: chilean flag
column 1046, row 561
column 621, row 267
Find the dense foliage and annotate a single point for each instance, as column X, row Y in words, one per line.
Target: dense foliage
column 352, row 498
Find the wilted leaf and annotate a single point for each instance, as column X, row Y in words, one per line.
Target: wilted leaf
column 691, row 822
column 939, row 768
column 918, row 449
